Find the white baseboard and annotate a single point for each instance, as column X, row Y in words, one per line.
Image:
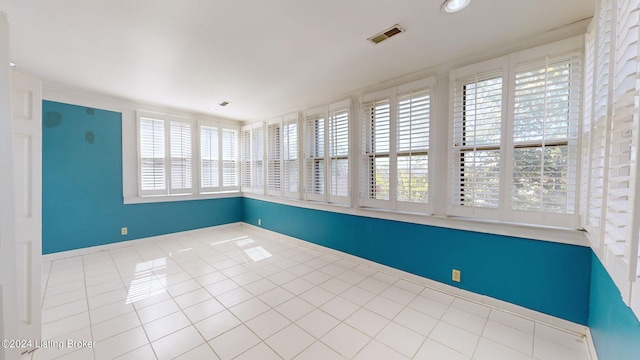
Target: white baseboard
column 591, row 347
column 517, row 310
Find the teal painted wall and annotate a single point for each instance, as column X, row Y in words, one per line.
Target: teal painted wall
column 82, row 202
column 548, row 277
column 614, row 327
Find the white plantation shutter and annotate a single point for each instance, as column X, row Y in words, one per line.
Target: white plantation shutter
column 290, row 156
column 545, row 135
column 612, row 219
column 209, row 158
column 229, row 159
column 181, row 158
column 514, row 153
column 587, row 119
column 413, row 147
column 152, row 156
column 245, row 160
column 376, row 140
column 257, row 159
column 621, row 227
column 315, row 155
column 395, row 147
column 600, row 122
column 339, row 152
column 274, row 150
column 477, row 129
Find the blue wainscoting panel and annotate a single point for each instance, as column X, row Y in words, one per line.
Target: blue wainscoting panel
column 548, row 277
column 614, row 327
column 82, row 202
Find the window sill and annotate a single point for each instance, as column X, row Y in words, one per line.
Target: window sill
column 179, row 197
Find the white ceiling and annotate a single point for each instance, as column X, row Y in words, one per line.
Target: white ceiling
column 265, row 57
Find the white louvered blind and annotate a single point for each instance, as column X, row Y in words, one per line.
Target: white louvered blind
column 245, row 159
column 181, row 157
column 620, row 225
column 209, row 158
column 612, row 210
column 413, row 146
column 600, row 122
column 152, row 156
column 315, row 156
column 290, row 156
column 587, row 119
column 545, row 134
column 339, row 153
column 257, row 159
column 274, row 149
column 376, row 128
column 477, row 129
column 229, row 159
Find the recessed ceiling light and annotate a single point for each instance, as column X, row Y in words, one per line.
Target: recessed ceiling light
column 212, row 108
column 12, row 64
column 452, row 6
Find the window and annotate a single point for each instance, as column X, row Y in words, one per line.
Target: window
column 180, row 157
column 290, row 164
column 257, row 159
column 395, row 128
column 229, row 159
column 245, row 160
column 314, row 156
column 545, row 133
column 252, row 158
column 339, row 152
column 152, row 156
column 274, row 149
column 514, row 154
column 218, row 146
column 210, row 158
column 165, row 156
column 282, row 156
column 327, row 153
column 477, row 140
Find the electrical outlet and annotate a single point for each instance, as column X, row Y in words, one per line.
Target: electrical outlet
column 259, row 222
column 124, row 231
column 455, row 275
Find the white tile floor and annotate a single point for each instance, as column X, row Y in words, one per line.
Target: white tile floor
column 237, row 293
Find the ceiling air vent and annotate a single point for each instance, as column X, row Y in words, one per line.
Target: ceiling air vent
column 392, row 31
column 224, row 103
